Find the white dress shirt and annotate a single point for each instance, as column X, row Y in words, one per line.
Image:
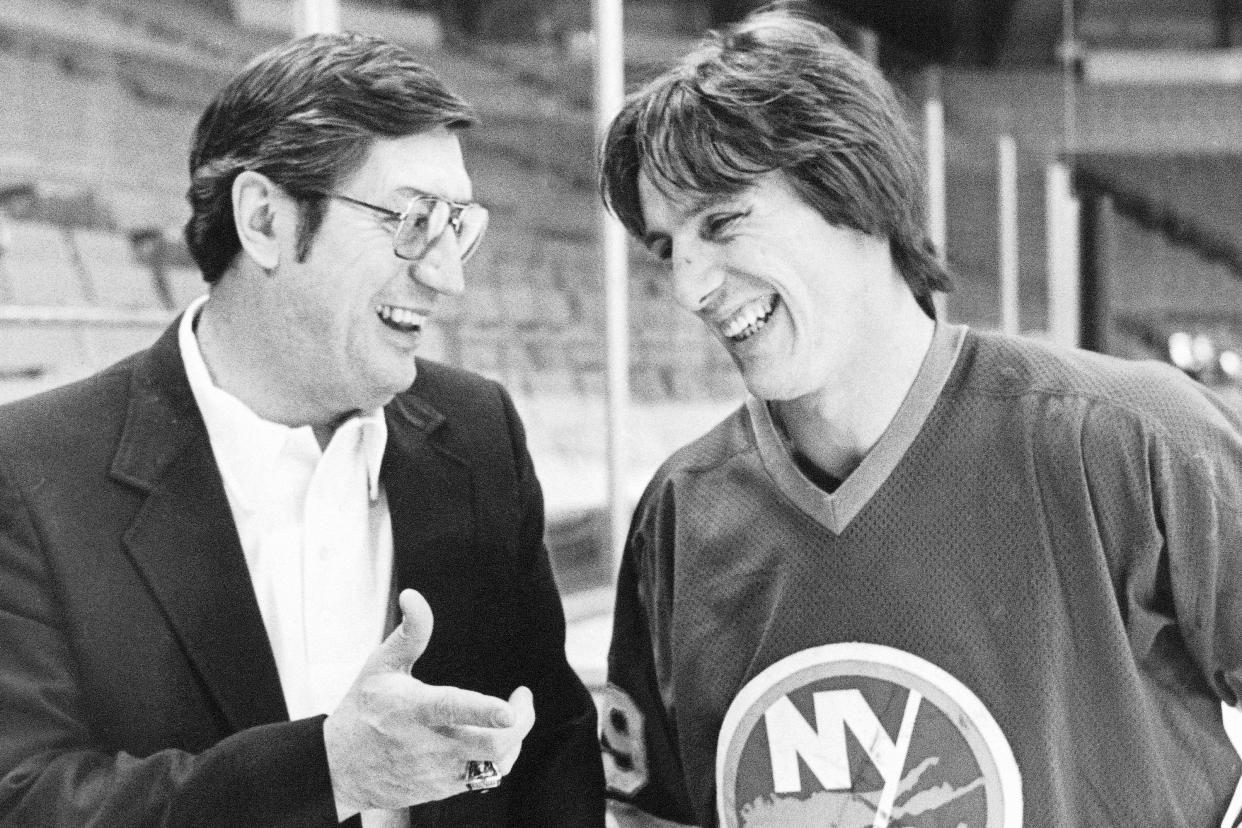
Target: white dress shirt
column 317, row 536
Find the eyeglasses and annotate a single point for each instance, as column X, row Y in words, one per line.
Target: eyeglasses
column 424, row 219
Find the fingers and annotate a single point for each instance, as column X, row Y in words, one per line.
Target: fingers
column 522, row 702
column 407, row 642
column 451, row 707
column 505, row 763
column 481, row 726
column 506, row 745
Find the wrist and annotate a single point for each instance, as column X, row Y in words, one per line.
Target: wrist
column 343, row 795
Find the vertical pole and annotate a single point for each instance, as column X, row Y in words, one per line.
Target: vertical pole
column 1064, row 288
column 609, row 95
column 1007, row 222
column 1069, row 75
column 869, row 45
column 937, row 195
column 1097, row 247
column 1064, row 284
column 318, row 16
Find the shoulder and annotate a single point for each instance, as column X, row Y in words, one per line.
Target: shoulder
column 1152, row 394
column 1001, row 364
column 448, row 387
column 467, row 412
column 464, row 399
column 61, row 417
column 58, row 445
column 723, row 443
column 697, row 464
column 1106, row 409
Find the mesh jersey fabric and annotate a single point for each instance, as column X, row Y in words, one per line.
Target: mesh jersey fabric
column 1057, row 530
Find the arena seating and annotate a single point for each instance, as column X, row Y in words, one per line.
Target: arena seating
column 36, row 269
column 1120, row 120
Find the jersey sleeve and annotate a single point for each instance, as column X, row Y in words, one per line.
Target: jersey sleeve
column 637, row 730
column 1168, row 496
column 1198, row 492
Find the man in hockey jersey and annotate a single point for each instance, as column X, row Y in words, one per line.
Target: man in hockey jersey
column 924, row 576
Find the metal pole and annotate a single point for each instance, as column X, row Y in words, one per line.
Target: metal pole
column 1064, row 283
column 1097, row 238
column 318, row 16
column 1061, row 210
column 937, row 195
column 1007, row 215
column 1069, row 71
column 609, row 95
column 869, row 46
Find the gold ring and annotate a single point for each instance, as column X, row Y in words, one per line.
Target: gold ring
column 481, row 775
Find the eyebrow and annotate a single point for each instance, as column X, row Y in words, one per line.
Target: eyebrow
column 413, row 192
column 707, row 200
column 694, row 206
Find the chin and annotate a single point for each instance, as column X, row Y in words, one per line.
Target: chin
column 380, row 392
column 768, row 382
column 398, row 387
column 400, row 373
column 764, row 388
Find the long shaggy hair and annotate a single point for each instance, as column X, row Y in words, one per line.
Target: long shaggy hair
column 779, row 92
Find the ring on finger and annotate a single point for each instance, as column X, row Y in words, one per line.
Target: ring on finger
column 481, row 775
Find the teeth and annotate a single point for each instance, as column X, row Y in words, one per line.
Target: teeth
column 749, row 319
column 402, row 317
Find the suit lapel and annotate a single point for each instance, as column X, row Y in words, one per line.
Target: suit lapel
column 429, row 493
column 184, row 541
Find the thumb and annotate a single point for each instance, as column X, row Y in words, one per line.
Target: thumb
column 523, row 704
column 406, row 643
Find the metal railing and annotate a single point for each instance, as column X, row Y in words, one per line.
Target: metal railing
column 75, row 315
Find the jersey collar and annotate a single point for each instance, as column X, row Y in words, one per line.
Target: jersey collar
column 835, row 511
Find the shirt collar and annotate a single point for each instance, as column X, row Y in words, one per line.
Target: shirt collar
column 374, row 439
column 246, row 445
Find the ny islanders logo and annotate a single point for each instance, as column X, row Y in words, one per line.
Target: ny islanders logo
column 863, row 736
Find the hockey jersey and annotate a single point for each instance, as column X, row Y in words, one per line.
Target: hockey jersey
column 1024, row 607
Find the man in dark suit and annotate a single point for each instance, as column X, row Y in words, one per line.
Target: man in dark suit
column 203, row 547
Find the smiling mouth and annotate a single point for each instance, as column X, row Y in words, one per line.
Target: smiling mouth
column 400, row 319
column 749, row 319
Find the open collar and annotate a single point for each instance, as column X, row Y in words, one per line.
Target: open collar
column 183, row 539
column 837, row 510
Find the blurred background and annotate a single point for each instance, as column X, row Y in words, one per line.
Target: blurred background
column 1084, row 183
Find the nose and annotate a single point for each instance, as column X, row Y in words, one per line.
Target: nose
column 440, row 267
column 695, row 278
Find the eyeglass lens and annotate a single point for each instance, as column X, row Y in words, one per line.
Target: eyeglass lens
column 428, row 217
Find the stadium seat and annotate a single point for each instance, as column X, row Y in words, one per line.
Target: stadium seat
column 116, row 279
column 39, row 267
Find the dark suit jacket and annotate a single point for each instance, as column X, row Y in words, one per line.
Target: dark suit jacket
column 137, row 685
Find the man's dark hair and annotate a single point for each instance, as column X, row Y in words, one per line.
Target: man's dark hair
column 306, row 115
column 779, row 92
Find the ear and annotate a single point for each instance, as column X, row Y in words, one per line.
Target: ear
column 257, row 204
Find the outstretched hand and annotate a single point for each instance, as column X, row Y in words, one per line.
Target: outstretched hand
column 395, row 741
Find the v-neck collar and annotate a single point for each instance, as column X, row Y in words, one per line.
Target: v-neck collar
column 835, row 511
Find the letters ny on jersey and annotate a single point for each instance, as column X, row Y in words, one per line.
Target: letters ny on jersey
column 861, row 735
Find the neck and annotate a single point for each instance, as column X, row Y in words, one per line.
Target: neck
column 243, row 361
column 836, row 427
